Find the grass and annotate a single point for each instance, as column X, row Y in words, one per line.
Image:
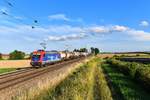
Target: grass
column 126, row 88
column 78, row 86
column 4, row 70
column 102, row 90
column 45, row 84
column 85, row 83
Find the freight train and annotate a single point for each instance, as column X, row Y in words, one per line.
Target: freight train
column 42, row 58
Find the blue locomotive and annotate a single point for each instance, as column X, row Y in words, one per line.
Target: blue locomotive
column 43, row 58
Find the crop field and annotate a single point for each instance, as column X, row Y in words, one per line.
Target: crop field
column 131, row 55
column 14, row 63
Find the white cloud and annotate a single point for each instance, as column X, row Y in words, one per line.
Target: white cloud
column 58, row 17
column 67, row 32
column 98, row 29
column 144, row 23
column 107, row 29
column 119, row 28
column 139, row 35
column 66, row 37
column 64, row 18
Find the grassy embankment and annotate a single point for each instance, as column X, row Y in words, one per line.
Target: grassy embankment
column 85, row 83
column 123, row 75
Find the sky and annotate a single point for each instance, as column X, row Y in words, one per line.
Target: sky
column 110, row 25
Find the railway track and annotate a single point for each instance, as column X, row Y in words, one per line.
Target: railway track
column 11, row 79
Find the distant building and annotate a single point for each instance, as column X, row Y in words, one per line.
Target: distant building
column 27, row 56
column 5, row 56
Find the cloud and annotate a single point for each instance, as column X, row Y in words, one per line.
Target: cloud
column 107, row 29
column 98, row 29
column 58, row 17
column 139, row 35
column 66, row 37
column 63, row 17
column 144, row 23
column 67, row 32
column 118, row 28
column 79, row 33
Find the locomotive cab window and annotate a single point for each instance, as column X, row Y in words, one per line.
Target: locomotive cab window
column 43, row 55
column 36, row 57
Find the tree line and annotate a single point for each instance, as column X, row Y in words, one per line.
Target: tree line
column 15, row 55
column 93, row 50
column 19, row 55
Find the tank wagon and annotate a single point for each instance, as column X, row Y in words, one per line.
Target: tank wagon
column 42, row 58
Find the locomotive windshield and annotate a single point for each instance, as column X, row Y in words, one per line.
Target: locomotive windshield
column 35, row 57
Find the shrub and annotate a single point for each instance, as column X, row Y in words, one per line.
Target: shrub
column 115, row 56
column 122, row 55
column 142, row 75
column 139, row 72
column 137, row 54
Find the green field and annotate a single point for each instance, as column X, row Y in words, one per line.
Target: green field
column 126, row 88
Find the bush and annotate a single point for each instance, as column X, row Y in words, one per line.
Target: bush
column 122, row 55
column 139, row 72
column 137, row 54
column 115, row 56
column 142, row 75
column 17, row 55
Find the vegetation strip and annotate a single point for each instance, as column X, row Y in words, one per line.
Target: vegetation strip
column 139, row 72
column 102, row 91
column 124, row 85
column 86, row 83
column 6, row 70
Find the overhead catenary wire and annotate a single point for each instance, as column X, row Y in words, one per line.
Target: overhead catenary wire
column 10, row 4
column 19, row 20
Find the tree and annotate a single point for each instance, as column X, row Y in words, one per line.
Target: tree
column 80, row 50
column 94, row 51
column 17, row 55
column 76, row 50
column 83, row 50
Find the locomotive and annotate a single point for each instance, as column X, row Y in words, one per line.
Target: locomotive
column 42, row 58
